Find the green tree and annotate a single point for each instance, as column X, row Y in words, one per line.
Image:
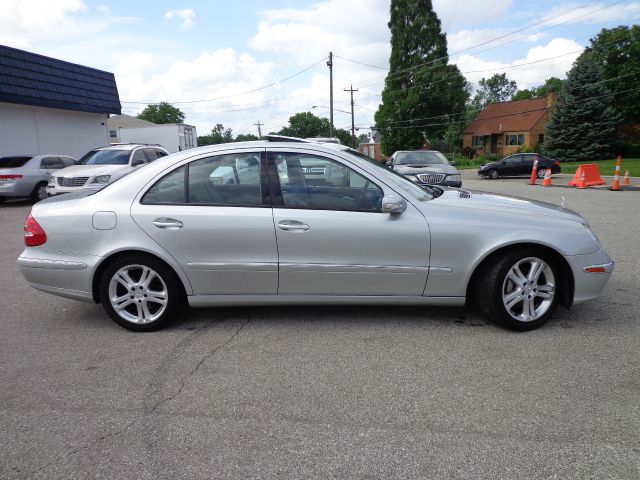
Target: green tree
column 305, row 125
column 553, row 84
column 583, row 124
column 218, row 135
column 497, row 88
column 162, row 112
column 421, row 85
column 245, row 137
column 617, row 52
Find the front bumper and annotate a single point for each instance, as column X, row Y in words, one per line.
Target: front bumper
column 589, row 285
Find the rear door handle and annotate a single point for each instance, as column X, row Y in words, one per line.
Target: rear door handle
column 293, row 226
column 167, row 223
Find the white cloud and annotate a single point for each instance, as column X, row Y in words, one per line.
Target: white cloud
column 103, row 10
column 186, row 15
column 24, row 22
column 561, row 53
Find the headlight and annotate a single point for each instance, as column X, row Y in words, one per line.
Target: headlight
column 101, row 179
column 52, row 179
column 454, row 178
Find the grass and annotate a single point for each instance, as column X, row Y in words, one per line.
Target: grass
column 606, row 167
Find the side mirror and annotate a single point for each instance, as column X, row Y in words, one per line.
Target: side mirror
column 137, row 162
column 393, row 204
column 389, row 163
column 452, row 163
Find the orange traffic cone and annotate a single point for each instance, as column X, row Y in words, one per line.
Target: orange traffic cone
column 626, row 181
column 547, row 179
column 534, row 172
column 616, row 177
column 583, row 181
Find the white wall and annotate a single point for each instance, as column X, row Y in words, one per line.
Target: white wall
column 37, row 130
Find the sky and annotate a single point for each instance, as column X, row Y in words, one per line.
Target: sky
column 249, row 61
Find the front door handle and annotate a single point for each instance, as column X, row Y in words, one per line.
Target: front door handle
column 167, row 223
column 293, row 226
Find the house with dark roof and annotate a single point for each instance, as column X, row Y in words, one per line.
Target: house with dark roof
column 52, row 106
column 506, row 127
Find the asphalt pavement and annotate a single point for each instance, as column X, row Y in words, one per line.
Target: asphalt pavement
column 327, row 392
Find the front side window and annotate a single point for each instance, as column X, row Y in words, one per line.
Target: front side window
column 169, row 189
column 139, row 157
column 314, row 182
column 513, row 160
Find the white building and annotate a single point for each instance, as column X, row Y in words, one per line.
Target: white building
column 52, row 106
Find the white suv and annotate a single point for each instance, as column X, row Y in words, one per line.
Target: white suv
column 103, row 165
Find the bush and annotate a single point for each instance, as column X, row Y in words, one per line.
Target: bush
column 629, row 150
column 525, row 149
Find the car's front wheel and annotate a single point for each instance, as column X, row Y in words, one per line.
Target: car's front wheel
column 519, row 291
column 494, row 174
column 140, row 294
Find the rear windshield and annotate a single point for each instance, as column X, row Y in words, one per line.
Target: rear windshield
column 105, row 157
column 13, row 162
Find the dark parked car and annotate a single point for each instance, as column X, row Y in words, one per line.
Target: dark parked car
column 425, row 167
column 518, row 164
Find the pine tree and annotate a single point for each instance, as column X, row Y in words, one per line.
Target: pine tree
column 421, row 87
column 583, row 123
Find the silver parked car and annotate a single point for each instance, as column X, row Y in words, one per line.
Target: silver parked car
column 27, row 175
column 425, row 167
column 102, row 165
column 319, row 224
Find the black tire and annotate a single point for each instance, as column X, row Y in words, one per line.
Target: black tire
column 542, row 172
column 2, row 199
column 39, row 192
column 494, row 174
column 491, row 287
column 163, row 312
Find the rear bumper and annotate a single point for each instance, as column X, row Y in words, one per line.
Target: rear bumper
column 61, row 274
column 15, row 189
column 589, row 285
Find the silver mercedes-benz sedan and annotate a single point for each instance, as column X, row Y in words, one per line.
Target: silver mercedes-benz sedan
column 294, row 222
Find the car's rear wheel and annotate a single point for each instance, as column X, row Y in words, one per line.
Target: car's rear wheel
column 542, row 172
column 140, row 294
column 39, row 192
column 520, row 290
column 494, row 174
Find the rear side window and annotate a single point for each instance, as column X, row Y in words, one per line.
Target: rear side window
column 51, row 163
column 13, row 162
column 161, row 153
column 232, row 179
column 169, row 189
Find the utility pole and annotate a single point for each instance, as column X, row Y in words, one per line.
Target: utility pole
column 259, row 129
column 353, row 125
column 330, row 65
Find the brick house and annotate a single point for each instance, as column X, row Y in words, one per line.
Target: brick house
column 504, row 128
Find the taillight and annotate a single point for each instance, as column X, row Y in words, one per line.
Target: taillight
column 33, row 233
column 10, row 177
column 556, row 162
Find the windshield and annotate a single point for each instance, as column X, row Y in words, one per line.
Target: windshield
column 13, row 162
column 421, row 158
column 105, row 157
column 397, row 180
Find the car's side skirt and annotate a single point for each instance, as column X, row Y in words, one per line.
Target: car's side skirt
column 243, row 300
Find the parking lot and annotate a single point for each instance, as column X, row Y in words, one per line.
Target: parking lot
column 327, row 392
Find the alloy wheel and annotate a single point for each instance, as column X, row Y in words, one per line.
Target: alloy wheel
column 138, row 294
column 528, row 289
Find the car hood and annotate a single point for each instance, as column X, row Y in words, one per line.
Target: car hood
column 492, row 202
column 91, row 170
column 414, row 170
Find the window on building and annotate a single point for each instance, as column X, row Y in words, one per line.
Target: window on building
column 113, row 134
column 477, row 141
column 514, row 139
column 541, row 138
